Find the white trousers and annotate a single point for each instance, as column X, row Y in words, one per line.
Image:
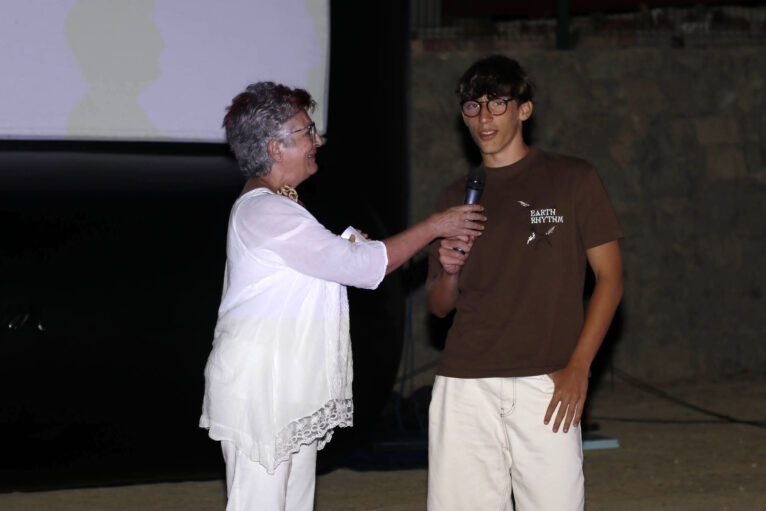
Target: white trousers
column 487, row 440
column 250, row 488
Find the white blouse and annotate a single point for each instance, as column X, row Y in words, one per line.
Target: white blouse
column 279, row 374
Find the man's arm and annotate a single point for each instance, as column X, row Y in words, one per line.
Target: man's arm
column 443, row 289
column 571, row 383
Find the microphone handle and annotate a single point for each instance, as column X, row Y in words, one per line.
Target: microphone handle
column 473, row 190
column 472, row 195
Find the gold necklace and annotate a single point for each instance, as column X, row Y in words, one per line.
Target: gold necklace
column 289, row 192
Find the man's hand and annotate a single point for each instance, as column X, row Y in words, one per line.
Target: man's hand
column 443, row 289
column 569, row 392
column 449, row 257
column 571, row 383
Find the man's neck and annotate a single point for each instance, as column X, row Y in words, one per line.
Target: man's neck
column 514, row 154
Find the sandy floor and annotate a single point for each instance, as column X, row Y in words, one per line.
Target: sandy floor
column 670, row 458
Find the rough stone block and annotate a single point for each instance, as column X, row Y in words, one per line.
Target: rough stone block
column 717, row 130
column 726, row 162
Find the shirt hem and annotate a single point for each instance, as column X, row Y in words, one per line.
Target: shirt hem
column 498, row 373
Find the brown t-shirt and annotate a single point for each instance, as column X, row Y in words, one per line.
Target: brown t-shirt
column 520, row 308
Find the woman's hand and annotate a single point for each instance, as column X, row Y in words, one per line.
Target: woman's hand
column 364, row 234
column 464, row 220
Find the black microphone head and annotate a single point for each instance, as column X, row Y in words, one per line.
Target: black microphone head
column 474, row 185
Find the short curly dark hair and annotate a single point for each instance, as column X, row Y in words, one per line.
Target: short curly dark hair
column 255, row 117
column 494, row 76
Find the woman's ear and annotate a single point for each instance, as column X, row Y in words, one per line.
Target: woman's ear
column 274, row 147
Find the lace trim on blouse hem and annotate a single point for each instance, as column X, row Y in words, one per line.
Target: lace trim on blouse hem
column 317, row 426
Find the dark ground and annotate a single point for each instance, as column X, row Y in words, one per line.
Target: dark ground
column 704, row 451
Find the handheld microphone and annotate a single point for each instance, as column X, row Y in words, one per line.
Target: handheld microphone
column 474, row 185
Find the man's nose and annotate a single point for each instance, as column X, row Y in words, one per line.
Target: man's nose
column 484, row 113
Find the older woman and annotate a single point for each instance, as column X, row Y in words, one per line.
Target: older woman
column 278, row 379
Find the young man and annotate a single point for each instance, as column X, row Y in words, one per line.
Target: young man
column 511, row 385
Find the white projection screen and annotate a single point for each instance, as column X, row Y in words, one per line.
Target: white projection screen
column 151, row 70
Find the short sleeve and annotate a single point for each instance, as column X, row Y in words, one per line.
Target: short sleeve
column 277, row 231
column 596, row 220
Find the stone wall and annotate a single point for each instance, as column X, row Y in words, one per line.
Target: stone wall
column 679, row 139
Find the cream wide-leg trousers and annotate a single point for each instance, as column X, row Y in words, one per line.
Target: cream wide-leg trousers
column 487, row 440
column 250, row 488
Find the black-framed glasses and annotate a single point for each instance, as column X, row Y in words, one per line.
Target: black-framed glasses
column 495, row 106
column 311, row 130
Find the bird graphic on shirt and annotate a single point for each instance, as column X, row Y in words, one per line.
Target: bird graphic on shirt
column 535, row 238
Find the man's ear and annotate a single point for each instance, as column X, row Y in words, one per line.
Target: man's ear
column 274, row 147
column 525, row 110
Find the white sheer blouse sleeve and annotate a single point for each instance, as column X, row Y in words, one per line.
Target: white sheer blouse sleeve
column 277, row 231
